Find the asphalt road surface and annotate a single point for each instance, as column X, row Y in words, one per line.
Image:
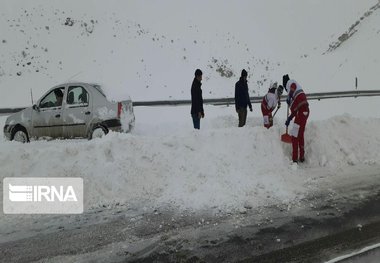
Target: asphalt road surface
column 333, row 225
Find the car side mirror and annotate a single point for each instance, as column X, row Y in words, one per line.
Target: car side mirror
column 36, row 108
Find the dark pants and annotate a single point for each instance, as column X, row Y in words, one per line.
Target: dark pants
column 242, row 113
column 196, row 121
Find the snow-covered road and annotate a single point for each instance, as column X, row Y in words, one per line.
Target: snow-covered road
column 145, row 234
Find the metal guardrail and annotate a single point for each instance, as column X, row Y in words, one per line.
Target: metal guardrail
column 10, row 110
column 231, row 101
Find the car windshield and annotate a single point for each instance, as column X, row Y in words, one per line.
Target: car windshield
column 53, row 99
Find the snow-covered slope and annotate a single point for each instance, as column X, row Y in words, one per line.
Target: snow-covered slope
column 151, row 49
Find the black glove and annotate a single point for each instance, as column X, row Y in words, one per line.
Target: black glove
column 280, row 90
column 289, row 120
column 250, row 108
column 288, row 100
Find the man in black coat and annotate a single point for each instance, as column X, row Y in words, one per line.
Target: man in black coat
column 242, row 98
column 197, row 111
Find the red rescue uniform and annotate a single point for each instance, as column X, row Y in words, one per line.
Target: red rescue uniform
column 268, row 104
column 300, row 110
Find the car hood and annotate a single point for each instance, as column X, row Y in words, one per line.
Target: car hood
column 19, row 117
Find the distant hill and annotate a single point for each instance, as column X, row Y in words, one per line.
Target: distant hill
column 151, row 49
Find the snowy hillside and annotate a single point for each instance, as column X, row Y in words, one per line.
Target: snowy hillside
column 151, row 48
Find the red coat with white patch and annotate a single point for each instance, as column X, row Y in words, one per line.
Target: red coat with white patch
column 300, row 110
column 299, row 106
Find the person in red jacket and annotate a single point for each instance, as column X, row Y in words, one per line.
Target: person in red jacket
column 269, row 103
column 299, row 108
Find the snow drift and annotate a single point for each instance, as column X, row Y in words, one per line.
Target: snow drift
column 225, row 168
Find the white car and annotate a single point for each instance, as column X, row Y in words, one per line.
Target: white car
column 71, row 110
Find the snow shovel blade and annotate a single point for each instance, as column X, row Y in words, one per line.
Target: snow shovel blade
column 286, row 138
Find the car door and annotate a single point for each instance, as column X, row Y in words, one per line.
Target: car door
column 47, row 116
column 77, row 112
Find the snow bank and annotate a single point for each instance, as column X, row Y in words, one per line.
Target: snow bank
column 227, row 168
column 344, row 140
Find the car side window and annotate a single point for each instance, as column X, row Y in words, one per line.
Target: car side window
column 77, row 95
column 53, row 99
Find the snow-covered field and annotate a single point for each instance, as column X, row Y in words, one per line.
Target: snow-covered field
column 220, row 166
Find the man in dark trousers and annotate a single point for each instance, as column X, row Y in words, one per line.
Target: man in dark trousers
column 242, row 98
column 197, row 111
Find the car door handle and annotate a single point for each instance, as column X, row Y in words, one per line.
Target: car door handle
column 87, row 112
column 58, row 115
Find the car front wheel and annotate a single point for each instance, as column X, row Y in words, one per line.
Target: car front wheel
column 20, row 135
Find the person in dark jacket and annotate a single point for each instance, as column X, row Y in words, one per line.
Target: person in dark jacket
column 242, row 98
column 59, row 96
column 197, row 111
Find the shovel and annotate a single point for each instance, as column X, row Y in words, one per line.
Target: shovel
column 271, row 121
column 274, row 114
column 286, row 138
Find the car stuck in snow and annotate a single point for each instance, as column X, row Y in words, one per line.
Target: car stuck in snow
column 71, row 110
